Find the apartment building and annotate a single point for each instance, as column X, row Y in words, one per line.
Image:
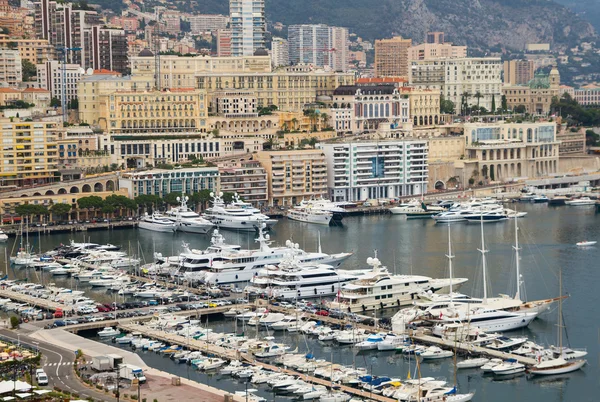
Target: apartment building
column 11, row 70
column 294, row 175
column 319, row 45
column 50, row 77
column 461, row 80
column 36, row 51
column 29, row 152
column 207, row 23
column 89, row 90
column 248, row 26
column 518, row 72
column 432, row 51
column 248, row 179
column 280, row 52
column 224, row 42
column 503, row 151
column 357, row 171
column 392, row 57
column 588, row 95
column 161, row 182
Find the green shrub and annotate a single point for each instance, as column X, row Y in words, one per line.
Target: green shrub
column 14, row 322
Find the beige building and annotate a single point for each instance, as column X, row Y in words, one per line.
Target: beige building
column 431, row 51
column 537, row 95
column 518, row 72
column 11, row 71
column 9, row 95
column 424, row 106
column 91, row 88
column 294, row 175
column 29, row 153
column 571, row 143
column 37, row 96
column 505, row 151
column 36, row 51
column 392, row 57
column 248, row 179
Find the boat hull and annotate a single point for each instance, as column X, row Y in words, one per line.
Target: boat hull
column 567, row 368
column 157, row 228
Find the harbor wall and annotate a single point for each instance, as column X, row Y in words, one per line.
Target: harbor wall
column 578, row 164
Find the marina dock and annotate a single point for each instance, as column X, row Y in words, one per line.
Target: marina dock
column 32, row 301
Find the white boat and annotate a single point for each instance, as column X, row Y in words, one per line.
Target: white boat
column 416, row 207
column 157, row 223
column 586, row 243
column 210, row 363
column 452, row 216
column 271, row 318
column 270, row 350
column 496, row 215
column 582, row 201
column 293, row 280
column 568, row 353
column 351, row 337
column 487, row 367
column 235, row 218
column 472, row 363
column 3, row 237
column 187, row 220
column 378, row 289
column 108, row 332
column 335, row 396
column 433, row 352
column 391, row 342
column 505, row 343
column 287, row 322
column 508, row 367
column 557, row 366
column 371, row 342
column 310, row 215
column 63, row 271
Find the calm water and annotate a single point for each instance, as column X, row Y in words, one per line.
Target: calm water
column 547, row 237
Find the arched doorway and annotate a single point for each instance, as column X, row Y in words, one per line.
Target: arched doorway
column 86, row 188
column 98, row 188
column 110, row 185
column 62, row 191
column 74, row 190
column 440, row 185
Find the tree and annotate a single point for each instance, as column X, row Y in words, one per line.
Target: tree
column 313, row 141
column 478, row 95
column 31, row 210
column 294, row 124
column 60, row 209
column 446, row 106
column 148, row 201
column 520, row 109
column 171, row 198
column 504, row 103
column 325, row 120
column 201, row 198
column 29, row 70
column 55, row 102
column 228, row 197
column 73, row 104
column 91, row 203
column 493, row 103
column 14, row 322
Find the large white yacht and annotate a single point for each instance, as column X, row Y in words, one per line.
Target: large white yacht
column 233, row 218
column 191, row 261
column 379, row 289
column 338, row 212
column 187, row 220
column 415, row 207
column 310, row 214
column 157, row 223
column 241, row 265
column 291, row 280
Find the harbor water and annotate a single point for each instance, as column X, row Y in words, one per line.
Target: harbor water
column 547, row 240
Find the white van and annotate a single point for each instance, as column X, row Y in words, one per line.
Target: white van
column 40, row 377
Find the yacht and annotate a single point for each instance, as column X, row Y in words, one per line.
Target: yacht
column 3, row 237
column 187, row 220
column 540, row 199
column 495, row 215
column 108, row 332
column 582, row 201
column 157, row 223
column 232, row 218
column 291, row 280
column 241, row 265
column 457, row 215
column 379, row 289
column 310, row 214
column 325, row 205
column 191, row 262
column 416, row 207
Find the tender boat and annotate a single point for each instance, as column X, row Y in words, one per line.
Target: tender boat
column 108, row 332
column 433, row 352
column 510, row 366
column 586, row 243
column 371, row 342
column 582, row 201
column 472, row 363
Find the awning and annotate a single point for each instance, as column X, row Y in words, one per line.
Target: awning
column 23, row 395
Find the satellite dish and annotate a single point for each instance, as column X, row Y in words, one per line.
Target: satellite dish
column 267, row 237
column 369, row 260
column 89, row 71
column 212, row 194
column 221, row 194
column 187, row 198
column 264, row 225
column 178, row 199
column 288, row 243
column 296, row 245
column 81, row 71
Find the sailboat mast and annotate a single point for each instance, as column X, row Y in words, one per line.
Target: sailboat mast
column 560, row 346
column 450, row 257
column 517, row 264
column 484, row 267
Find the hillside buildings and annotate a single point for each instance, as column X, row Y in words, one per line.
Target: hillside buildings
column 36, row 51
column 294, row 175
column 50, row 77
column 11, row 70
column 392, row 57
column 475, row 81
column 207, row 23
column 319, row 45
column 247, row 21
column 358, row 171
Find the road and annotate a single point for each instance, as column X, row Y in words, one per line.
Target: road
column 57, row 362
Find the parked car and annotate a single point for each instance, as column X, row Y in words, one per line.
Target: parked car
column 323, row 313
column 59, row 323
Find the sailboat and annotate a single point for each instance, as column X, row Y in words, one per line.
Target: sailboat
column 558, row 365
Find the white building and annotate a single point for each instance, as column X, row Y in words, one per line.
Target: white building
column 357, row 171
column 50, row 77
column 207, row 23
column 319, row 45
column 162, row 182
column 247, row 22
column 11, row 71
column 357, row 108
column 461, row 78
column 280, row 52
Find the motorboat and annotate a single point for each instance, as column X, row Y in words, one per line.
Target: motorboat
column 472, row 363
column 288, row 321
column 210, row 363
column 539, row 199
column 270, row 350
column 187, row 220
column 3, row 237
column 371, row 342
column 496, row 215
column 434, row 352
column 568, row 353
column 379, row 289
column 452, row 216
column 351, row 337
column 391, row 342
column 310, row 214
column 581, row 201
column 157, row 223
column 336, row 208
column 505, row 343
column 233, row 218
column 508, row 367
column 586, row 243
column 108, row 332
column 335, row 396
column 271, row 318
column 487, row 367
column 416, row 207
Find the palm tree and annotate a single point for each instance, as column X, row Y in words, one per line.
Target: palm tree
column 294, row 124
column 465, row 98
column 325, row 120
column 478, row 95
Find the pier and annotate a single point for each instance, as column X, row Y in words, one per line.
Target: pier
column 32, row 301
column 15, row 230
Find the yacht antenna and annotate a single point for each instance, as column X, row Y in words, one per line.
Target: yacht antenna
column 516, row 248
column 450, row 257
column 483, row 251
